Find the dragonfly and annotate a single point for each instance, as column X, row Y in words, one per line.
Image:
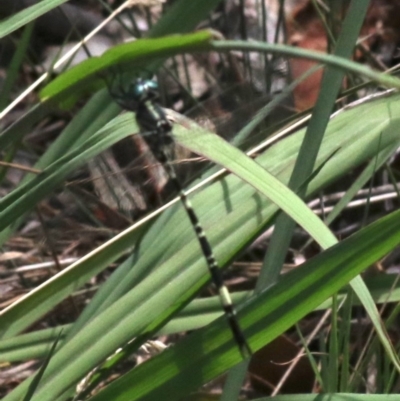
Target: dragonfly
column 142, row 98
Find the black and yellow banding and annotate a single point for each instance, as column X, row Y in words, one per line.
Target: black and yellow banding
column 215, row 273
column 151, row 117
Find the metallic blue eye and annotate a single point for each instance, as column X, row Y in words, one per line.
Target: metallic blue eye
column 145, row 89
column 153, row 85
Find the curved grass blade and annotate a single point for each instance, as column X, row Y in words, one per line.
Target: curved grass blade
column 135, row 56
column 290, row 51
column 92, row 74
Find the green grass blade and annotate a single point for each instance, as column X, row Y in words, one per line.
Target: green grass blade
column 91, row 74
column 27, row 15
column 330, row 86
column 15, row 65
column 216, row 149
column 290, row 51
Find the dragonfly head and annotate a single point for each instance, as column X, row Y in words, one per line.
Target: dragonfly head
column 143, row 90
column 137, row 92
